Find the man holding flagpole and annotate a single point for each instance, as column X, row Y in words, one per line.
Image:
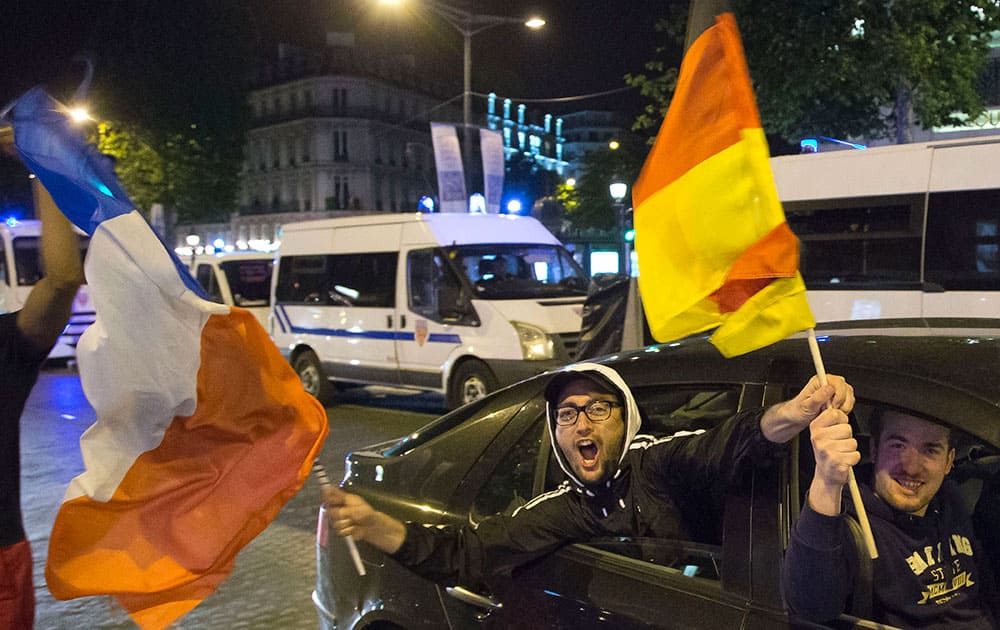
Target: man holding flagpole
column 26, row 337
column 932, row 572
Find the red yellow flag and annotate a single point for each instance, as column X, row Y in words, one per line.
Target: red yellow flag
column 714, row 248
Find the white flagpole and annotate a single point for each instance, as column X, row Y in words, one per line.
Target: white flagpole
column 352, row 547
column 859, row 506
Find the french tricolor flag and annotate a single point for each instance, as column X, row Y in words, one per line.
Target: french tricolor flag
column 203, row 430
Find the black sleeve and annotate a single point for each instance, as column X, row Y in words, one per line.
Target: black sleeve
column 496, row 545
column 726, row 452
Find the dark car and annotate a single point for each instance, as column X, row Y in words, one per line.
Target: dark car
column 493, row 455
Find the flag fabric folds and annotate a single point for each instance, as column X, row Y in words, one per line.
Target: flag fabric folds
column 203, row 430
column 713, row 245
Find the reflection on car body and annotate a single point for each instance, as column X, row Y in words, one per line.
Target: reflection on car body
column 493, row 455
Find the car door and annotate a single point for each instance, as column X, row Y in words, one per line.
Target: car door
column 620, row 583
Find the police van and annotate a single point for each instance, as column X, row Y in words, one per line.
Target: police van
column 21, row 268
column 237, row 279
column 460, row 304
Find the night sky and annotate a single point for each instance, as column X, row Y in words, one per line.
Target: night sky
column 587, row 46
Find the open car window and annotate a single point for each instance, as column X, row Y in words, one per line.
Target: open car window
column 528, row 469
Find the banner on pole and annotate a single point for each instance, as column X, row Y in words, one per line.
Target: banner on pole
column 491, row 146
column 450, row 174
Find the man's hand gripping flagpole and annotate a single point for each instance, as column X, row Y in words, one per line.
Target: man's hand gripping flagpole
column 852, row 483
column 324, row 481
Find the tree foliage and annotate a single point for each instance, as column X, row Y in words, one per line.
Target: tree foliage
column 170, row 84
column 863, row 67
column 850, row 68
column 588, row 203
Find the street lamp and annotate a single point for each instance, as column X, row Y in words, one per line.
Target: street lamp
column 618, row 189
column 469, row 24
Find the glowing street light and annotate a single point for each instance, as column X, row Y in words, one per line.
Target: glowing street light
column 79, row 114
column 469, row 24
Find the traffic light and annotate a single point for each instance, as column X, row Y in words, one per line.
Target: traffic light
column 628, row 229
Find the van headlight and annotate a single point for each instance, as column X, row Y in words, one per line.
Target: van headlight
column 536, row 344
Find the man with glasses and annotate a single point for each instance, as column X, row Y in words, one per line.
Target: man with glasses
column 618, row 483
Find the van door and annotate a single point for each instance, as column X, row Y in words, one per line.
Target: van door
column 432, row 317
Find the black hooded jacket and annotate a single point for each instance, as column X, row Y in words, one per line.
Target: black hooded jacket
column 642, row 499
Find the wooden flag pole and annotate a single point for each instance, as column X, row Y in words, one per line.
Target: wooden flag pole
column 852, row 483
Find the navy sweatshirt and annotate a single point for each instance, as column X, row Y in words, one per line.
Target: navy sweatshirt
column 931, row 572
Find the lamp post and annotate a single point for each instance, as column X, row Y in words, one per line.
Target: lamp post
column 468, row 24
column 618, row 189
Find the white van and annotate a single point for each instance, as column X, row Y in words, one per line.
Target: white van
column 454, row 303
column 237, row 279
column 21, row 268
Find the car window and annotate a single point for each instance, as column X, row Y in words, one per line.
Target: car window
column 512, row 482
column 975, row 474
column 665, row 411
column 685, row 558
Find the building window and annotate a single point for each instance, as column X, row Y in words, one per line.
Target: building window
column 340, row 145
column 339, row 99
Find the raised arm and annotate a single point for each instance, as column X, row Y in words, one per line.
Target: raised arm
column 48, row 307
column 833, row 401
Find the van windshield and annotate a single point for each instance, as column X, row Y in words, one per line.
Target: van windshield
column 249, row 281
column 510, row 271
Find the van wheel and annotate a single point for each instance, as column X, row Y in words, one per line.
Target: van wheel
column 313, row 380
column 471, row 381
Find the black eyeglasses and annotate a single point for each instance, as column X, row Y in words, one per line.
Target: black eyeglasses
column 596, row 410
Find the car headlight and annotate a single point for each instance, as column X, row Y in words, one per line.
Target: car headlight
column 536, row 344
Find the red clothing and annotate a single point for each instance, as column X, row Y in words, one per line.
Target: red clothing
column 17, row 592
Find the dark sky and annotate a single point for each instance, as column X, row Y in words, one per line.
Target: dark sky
column 587, row 46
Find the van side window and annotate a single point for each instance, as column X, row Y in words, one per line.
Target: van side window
column 338, row 279
column 430, row 280
column 27, row 262
column 206, row 278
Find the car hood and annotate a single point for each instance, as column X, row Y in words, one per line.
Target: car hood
column 631, row 410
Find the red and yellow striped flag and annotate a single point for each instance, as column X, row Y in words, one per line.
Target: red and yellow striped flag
column 714, row 248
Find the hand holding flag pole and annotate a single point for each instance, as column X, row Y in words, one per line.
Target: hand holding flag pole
column 852, row 483
column 324, row 482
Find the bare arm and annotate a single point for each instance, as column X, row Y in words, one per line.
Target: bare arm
column 350, row 515
column 784, row 421
column 50, row 302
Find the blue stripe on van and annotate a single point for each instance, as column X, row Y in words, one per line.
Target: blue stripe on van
column 367, row 334
column 282, row 317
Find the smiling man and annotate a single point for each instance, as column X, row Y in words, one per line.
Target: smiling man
column 618, row 483
column 931, row 571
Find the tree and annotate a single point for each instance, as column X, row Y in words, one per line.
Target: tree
column 172, row 78
column 851, row 68
column 588, row 203
column 865, row 67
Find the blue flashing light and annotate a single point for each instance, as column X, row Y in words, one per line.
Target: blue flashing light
column 809, row 145
column 11, row 221
column 426, row 204
column 514, row 206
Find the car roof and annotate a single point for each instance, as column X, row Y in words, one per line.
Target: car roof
column 943, row 367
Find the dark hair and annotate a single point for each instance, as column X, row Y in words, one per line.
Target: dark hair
column 876, row 422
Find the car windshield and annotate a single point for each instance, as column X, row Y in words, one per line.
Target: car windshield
column 510, row 271
column 249, row 281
